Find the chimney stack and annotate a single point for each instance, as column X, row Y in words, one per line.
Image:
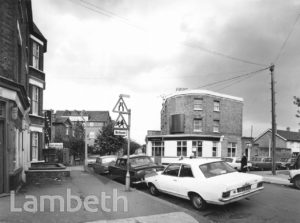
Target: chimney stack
column 288, row 129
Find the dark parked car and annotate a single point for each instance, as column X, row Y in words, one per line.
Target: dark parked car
column 263, row 163
column 139, row 166
column 102, row 163
column 286, row 163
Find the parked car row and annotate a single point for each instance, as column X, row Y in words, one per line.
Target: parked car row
column 200, row 180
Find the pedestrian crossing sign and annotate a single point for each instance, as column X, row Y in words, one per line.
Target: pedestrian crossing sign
column 121, row 107
column 121, row 123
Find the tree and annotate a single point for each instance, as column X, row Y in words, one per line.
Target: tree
column 108, row 143
column 133, row 147
column 297, row 103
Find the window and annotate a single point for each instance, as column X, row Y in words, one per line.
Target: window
column 34, row 145
column 216, row 169
column 2, row 109
column 172, row 170
column 198, row 104
column 35, row 55
column 158, row 148
column 216, row 106
column 216, row 127
column 214, row 149
column 186, row 171
column 35, row 100
column 197, row 125
column 197, row 146
column 67, row 131
column 181, row 148
column 231, row 149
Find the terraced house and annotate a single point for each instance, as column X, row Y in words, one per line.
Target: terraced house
column 197, row 123
column 22, row 82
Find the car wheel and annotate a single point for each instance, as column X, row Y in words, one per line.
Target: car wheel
column 198, row 202
column 153, row 190
column 297, row 182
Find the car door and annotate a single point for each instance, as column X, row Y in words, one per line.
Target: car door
column 168, row 180
column 185, row 181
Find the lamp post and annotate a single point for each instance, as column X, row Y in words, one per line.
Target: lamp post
column 85, row 142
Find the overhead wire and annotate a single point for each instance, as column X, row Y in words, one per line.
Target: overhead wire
column 105, row 12
column 286, row 39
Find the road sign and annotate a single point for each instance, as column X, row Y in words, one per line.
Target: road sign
column 121, row 107
column 120, row 132
column 121, row 123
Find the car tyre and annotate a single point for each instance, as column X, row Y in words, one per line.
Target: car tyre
column 198, row 202
column 153, row 190
column 297, row 182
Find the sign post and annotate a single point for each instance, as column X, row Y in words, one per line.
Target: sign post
column 122, row 128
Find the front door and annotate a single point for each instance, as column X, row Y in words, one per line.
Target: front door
column 1, row 156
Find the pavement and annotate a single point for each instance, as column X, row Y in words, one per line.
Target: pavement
column 281, row 177
column 87, row 197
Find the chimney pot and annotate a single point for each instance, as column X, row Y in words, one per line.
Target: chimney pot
column 288, row 129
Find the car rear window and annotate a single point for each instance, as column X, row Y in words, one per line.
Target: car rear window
column 108, row 160
column 140, row 161
column 216, row 169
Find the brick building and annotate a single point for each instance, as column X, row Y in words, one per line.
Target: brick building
column 287, row 144
column 198, row 122
column 22, row 82
column 95, row 121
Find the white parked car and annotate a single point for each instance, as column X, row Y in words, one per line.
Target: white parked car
column 204, row 181
column 235, row 162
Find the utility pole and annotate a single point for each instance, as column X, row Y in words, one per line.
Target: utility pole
column 274, row 131
column 85, row 142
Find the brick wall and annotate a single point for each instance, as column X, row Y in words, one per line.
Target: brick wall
column 230, row 115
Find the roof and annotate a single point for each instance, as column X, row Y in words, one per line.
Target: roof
column 62, row 120
column 204, row 92
column 288, row 135
column 284, row 134
column 95, row 116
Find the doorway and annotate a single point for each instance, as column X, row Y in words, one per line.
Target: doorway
column 2, row 156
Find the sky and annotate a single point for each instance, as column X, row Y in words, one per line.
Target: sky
column 99, row 49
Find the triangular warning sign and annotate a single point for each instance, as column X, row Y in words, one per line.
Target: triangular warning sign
column 121, row 107
column 121, row 123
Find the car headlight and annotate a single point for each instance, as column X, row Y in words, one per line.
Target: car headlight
column 226, row 194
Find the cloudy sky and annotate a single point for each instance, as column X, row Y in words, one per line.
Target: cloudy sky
column 98, row 49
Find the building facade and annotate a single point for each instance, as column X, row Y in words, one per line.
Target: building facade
column 197, row 123
column 19, row 145
column 94, row 120
column 287, row 143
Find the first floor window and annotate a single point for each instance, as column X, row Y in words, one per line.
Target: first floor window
column 216, row 106
column 181, row 148
column 197, row 147
column 35, row 55
column 214, row 149
column 35, row 100
column 35, row 145
column 158, row 148
column 231, row 149
column 216, row 127
column 197, row 125
column 198, row 104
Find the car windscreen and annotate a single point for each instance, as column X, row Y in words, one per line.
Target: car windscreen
column 140, row 161
column 238, row 160
column 216, row 169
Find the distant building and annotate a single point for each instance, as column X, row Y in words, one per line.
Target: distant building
column 95, row 121
column 62, row 129
column 287, row 143
column 198, row 122
column 22, row 81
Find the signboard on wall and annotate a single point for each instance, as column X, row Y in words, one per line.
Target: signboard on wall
column 56, row 145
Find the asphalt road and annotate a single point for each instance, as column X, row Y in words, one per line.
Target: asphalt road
column 274, row 204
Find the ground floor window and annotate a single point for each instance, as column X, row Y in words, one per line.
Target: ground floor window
column 231, row 149
column 34, row 145
column 215, row 149
column 197, row 147
column 158, row 148
column 181, row 148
